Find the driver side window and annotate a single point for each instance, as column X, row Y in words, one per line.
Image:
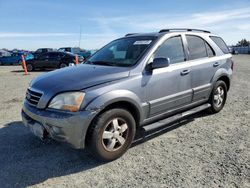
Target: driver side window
column 173, row 49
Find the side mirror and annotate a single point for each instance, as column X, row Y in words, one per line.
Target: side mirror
column 160, row 63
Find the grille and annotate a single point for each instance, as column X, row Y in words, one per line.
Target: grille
column 33, row 97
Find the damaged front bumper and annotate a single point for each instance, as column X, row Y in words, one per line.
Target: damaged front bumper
column 62, row 126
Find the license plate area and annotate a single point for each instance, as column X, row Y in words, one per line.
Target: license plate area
column 35, row 127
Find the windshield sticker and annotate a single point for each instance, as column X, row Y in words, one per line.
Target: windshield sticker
column 141, row 42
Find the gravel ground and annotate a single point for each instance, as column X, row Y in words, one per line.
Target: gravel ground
column 203, row 151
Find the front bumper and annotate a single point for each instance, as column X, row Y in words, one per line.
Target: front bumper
column 65, row 127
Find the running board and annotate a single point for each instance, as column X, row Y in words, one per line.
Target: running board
column 174, row 118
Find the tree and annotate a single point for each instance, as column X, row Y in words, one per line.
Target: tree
column 243, row 42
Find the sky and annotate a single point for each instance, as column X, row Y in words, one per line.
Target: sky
column 32, row 24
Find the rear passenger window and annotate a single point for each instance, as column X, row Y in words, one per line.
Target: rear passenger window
column 196, row 47
column 222, row 45
column 173, row 49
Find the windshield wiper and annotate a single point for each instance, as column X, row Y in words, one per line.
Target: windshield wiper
column 101, row 63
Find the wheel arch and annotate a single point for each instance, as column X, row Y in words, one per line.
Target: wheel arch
column 130, row 107
column 118, row 99
column 224, row 75
column 225, row 79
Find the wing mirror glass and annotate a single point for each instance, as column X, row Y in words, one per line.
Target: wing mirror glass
column 160, row 63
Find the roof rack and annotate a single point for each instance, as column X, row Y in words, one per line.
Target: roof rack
column 183, row 29
column 129, row 34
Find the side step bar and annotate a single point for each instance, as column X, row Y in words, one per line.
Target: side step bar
column 174, row 118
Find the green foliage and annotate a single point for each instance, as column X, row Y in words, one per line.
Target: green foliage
column 243, row 42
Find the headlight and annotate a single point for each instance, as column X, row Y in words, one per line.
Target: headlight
column 69, row 101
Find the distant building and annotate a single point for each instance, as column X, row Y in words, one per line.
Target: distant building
column 241, row 49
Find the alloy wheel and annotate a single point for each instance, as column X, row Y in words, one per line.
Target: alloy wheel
column 219, row 96
column 115, row 134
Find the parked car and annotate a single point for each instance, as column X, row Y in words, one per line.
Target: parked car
column 4, row 53
column 84, row 53
column 15, row 58
column 51, row 60
column 140, row 81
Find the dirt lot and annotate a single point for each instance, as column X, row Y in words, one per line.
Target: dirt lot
column 205, row 151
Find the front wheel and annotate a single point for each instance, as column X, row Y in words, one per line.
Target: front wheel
column 218, row 96
column 111, row 134
column 30, row 67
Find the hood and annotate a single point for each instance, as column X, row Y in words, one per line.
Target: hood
column 77, row 78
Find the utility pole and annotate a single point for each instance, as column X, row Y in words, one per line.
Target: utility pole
column 80, row 36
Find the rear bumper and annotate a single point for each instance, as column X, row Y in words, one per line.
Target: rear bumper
column 67, row 127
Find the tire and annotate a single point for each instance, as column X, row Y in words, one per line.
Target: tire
column 19, row 62
column 111, row 134
column 218, row 97
column 30, row 67
column 62, row 65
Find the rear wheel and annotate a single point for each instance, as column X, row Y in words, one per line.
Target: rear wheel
column 218, row 96
column 111, row 134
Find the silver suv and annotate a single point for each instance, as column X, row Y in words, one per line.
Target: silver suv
column 141, row 81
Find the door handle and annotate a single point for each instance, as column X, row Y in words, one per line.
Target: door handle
column 216, row 64
column 185, row 72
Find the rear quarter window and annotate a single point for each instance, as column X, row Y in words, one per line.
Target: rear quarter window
column 220, row 43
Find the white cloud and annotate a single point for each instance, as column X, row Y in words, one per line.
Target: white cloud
column 221, row 16
column 18, row 35
column 157, row 21
column 231, row 24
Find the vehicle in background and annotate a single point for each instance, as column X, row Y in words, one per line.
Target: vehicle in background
column 76, row 50
column 51, row 60
column 15, row 58
column 4, row 53
column 41, row 51
column 241, row 50
column 235, row 52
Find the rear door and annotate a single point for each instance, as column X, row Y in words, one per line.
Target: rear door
column 204, row 65
column 169, row 88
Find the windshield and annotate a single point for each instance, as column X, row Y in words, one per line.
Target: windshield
column 122, row 52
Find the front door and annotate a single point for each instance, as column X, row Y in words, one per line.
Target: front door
column 169, row 88
column 41, row 60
